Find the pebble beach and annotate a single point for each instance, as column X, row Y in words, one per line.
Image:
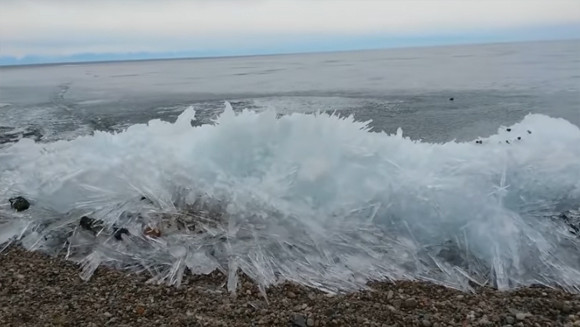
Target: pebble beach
column 38, row 290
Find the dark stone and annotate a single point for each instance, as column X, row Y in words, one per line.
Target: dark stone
column 90, row 224
column 473, row 284
column 509, row 129
column 506, row 141
column 529, row 132
column 19, row 203
column 519, row 137
column 451, row 253
column 298, row 320
column 566, row 308
column 451, row 99
column 538, row 286
column 119, row 233
column 330, row 312
column 86, row 222
column 410, row 303
column 146, row 199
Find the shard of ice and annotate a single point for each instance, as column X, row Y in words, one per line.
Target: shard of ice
column 310, row 198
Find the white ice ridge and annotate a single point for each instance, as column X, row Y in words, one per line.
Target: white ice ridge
column 311, row 198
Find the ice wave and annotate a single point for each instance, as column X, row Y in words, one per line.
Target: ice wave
column 312, row 198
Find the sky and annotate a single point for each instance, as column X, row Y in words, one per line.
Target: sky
column 39, row 31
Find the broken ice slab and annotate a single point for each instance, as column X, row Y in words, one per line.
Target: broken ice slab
column 314, row 199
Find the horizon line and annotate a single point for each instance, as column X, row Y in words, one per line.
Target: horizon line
column 258, row 54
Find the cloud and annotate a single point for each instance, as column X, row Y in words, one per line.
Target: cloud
column 66, row 27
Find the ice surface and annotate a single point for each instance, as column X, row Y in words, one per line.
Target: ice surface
column 312, row 198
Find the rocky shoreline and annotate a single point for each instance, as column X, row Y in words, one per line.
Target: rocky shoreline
column 38, row 290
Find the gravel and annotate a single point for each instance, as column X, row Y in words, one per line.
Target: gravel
column 37, row 290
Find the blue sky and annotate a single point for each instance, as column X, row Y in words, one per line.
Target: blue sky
column 41, row 31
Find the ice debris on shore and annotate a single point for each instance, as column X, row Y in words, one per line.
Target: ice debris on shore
column 314, row 199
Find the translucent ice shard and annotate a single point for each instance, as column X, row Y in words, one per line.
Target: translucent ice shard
column 312, row 198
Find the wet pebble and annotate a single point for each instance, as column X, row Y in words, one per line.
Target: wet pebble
column 37, row 290
column 120, row 232
column 390, row 294
column 298, row 320
column 410, row 303
column 19, row 203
